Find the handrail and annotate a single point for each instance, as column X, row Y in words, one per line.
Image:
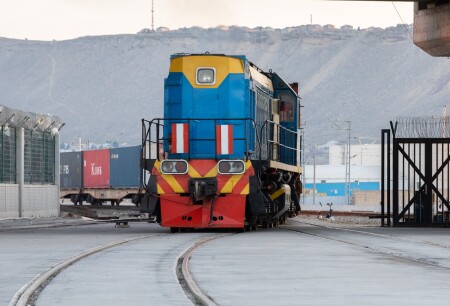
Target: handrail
column 153, row 133
column 281, row 131
column 147, row 136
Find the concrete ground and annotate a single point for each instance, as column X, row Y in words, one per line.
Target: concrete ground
column 306, row 262
column 327, row 266
column 24, row 253
column 138, row 273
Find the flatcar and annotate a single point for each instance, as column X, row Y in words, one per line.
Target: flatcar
column 100, row 176
column 231, row 146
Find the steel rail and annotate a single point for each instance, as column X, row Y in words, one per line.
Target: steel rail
column 187, row 281
column 391, row 253
column 27, row 291
column 376, row 234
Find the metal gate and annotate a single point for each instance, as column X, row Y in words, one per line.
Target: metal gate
column 418, row 174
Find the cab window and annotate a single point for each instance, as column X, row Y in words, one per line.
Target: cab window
column 286, row 107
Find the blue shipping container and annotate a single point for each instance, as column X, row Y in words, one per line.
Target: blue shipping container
column 125, row 167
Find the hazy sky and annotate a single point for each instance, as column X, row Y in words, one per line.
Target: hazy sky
column 65, row 19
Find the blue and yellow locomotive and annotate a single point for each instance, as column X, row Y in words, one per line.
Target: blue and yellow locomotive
column 227, row 152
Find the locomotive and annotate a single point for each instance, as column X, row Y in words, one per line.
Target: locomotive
column 227, row 152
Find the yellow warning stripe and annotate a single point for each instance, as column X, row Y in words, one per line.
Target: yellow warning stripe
column 277, row 193
column 213, row 172
column 193, row 173
column 246, row 189
column 170, row 180
column 228, row 187
column 173, row 183
column 159, row 189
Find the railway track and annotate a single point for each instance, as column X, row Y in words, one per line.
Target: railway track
column 30, row 292
column 385, row 244
column 186, row 279
column 199, row 256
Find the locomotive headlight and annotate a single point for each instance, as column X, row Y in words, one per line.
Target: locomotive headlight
column 167, row 166
column 206, row 76
column 174, row 167
column 231, row 167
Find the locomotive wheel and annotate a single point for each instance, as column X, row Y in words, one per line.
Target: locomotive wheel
column 252, row 223
column 174, row 229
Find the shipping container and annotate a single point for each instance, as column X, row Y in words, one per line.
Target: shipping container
column 71, row 170
column 96, row 168
column 125, row 167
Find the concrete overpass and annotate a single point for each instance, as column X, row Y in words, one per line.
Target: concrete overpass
column 431, row 25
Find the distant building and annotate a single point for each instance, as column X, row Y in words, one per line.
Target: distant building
column 336, row 174
column 374, row 29
column 29, row 164
column 329, row 27
column 162, row 29
column 347, row 27
column 223, row 27
column 145, row 31
column 314, row 27
column 328, row 182
column 362, row 155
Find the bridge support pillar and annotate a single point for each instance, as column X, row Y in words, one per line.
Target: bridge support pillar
column 432, row 28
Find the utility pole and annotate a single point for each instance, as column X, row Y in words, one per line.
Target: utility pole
column 347, row 157
column 314, row 179
column 153, row 13
column 303, row 164
column 444, row 121
column 347, row 169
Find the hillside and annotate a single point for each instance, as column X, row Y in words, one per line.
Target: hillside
column 102, row 86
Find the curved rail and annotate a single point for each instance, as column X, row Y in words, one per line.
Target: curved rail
column 28, row 291
column 187, row 282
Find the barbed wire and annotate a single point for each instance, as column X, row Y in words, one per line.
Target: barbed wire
column 422, row 127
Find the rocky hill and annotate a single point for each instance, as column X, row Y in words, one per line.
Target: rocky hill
column 102, row 86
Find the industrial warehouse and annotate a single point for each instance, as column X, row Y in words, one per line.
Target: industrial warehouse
column 29, row 164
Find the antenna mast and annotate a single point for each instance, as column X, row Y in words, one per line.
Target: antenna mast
column 153, row 28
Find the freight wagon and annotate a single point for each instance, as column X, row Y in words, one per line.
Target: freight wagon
column 100, row 176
